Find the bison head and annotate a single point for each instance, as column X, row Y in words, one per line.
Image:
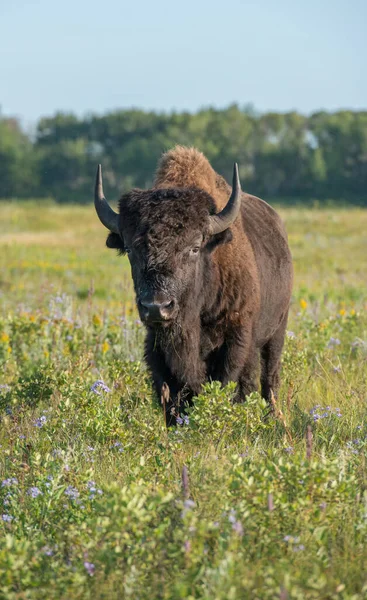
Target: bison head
column 168, row 235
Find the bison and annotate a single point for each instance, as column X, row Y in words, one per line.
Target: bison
column 212, row 274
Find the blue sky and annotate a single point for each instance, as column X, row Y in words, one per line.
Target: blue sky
column 87, row 56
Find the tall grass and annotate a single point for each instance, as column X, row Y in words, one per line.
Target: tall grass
column 98, row 500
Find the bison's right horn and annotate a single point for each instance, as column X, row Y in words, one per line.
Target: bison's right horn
column 106, row 215
column 226, row 217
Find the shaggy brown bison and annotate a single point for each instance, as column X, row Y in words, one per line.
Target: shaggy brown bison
column 212, row 274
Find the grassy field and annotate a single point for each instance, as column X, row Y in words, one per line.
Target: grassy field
column 98, row 500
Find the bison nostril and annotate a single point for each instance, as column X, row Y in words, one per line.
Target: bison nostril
column 168, row 305
column 157, row 311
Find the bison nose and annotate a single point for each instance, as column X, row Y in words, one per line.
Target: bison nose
column 157, row 311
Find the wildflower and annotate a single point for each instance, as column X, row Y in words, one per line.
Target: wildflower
column 183, row 420
column 4, row 387
column 69, row 338
column 292, row 539
column 89, row 567
column 303, row 304
column 71, row 492
column 336, row 369
column 41, row 421
column 186, row 420
column 179, row 420
column 298, row 548
column 188, row 505
column 322, row 505
column 333, row 342
column 97, row 321
column 99, row 384
column 318, row 412
column 7, row 518
column 232, row 517
column 238, row 528
column 47, row 551
column 291, row 334
column 34, row 492
column 288, row 450
column 118, row 446
column 9, row 482
column 7, row 499
column 105, row 347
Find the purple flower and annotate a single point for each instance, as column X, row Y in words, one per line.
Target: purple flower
column 118, row 446
column 99, row 385
column 333, row 342
column 41, row 421
column 9, row 482
column 179, row 420
column 232, row 517
column 288, row 450
column 47, row 550
column 71, row 492
column 34, row 492
column 238, row 528
column 89, row 567
column 291, row 334
column 7, row 518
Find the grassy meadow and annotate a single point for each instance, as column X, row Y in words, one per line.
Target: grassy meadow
column 98, row 500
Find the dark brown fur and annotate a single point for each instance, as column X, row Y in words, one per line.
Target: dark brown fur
column 233, row 299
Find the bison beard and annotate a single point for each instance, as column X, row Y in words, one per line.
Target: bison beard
column 212, row 276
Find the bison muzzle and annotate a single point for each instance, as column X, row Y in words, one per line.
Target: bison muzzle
column 212, row 274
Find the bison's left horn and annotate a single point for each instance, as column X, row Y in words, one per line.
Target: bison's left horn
column 106, row 215
column 226, row 217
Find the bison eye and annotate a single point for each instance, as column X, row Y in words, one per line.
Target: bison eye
column 195, row 250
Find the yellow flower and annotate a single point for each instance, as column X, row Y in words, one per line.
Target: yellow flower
column 342, row 312
column 9, row 350
column 4, row 337
column 352, row 312
column 97, row 321
column 303, row 304
column 105, row 347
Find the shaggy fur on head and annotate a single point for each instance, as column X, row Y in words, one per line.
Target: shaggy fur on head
column 187, row 167
column 232, row 297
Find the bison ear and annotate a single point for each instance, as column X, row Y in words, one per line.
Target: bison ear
column 114, row 240
column 219, row 238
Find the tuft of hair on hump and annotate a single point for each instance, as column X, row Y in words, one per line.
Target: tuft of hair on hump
column 185, row 167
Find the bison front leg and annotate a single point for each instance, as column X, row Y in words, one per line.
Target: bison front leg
column 238, row 360
column 172, row 393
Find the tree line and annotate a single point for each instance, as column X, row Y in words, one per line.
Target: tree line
column 281, row 156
